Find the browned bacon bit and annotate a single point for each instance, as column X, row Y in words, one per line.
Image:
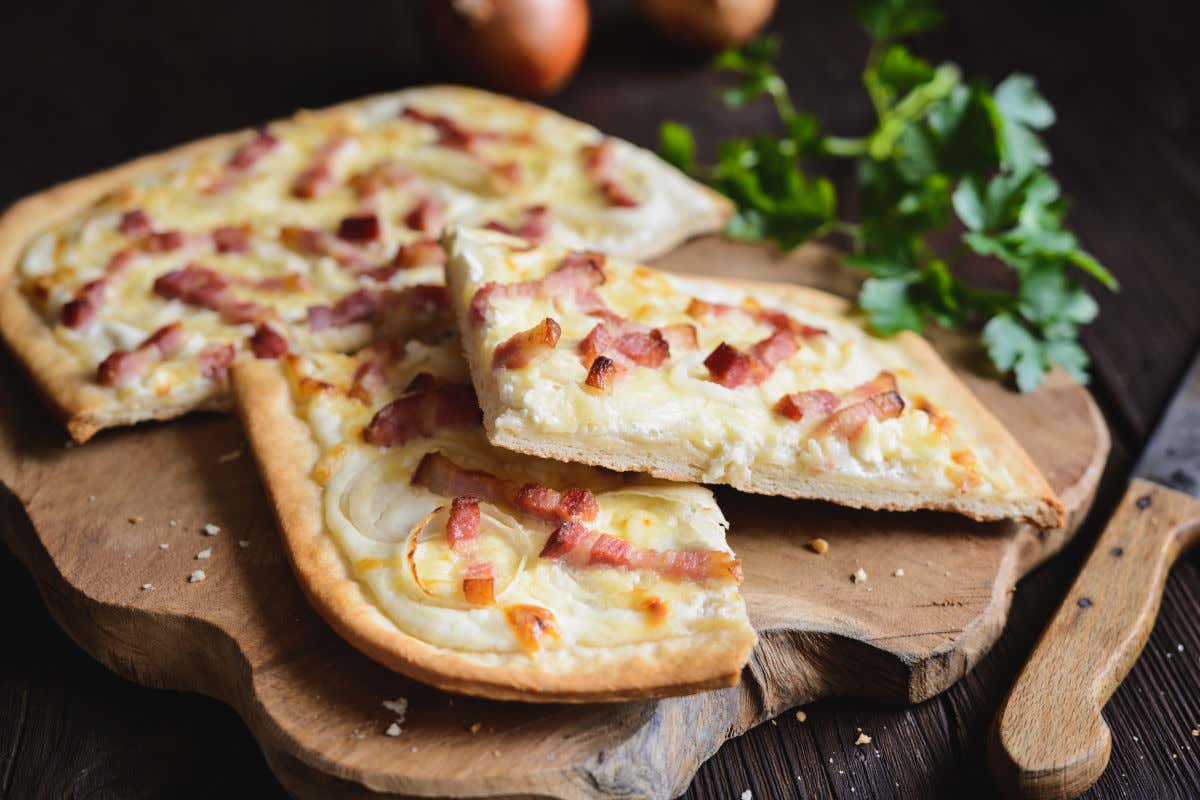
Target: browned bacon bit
column 577, row 275
column 813, row 403
column 420, row 414
column 681, row 336
column 703, row 310
column 419, row 253
column 200, row 286
column 520, row 349
column 422, row 382
column 360, row 228
column 214, row 360
column 163, row 241
column 849, row 421
column 449, row 132
column 358, row 306
column 534, row 224
column 135, row 223
column 244, row 159
column 313, row 242
column 384, row 175
column 266, row 342
column 598, row 164
column 462, row 528
column 318, row 176
column 231, row 239
column 479, row 584
column 427, row 216
column 732, row 368
column 531, row 624
column 579, row 546
column 776, row 348
column 81, row 309
column 553, row 505
column 122, row 366
column 603, row 373
column 291, row 282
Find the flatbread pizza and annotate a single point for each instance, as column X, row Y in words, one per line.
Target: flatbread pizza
column 479, row 570
column 128, row 294
column 772, row 389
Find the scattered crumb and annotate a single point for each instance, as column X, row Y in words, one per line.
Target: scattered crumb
column 392, row 730
column 946, row 573
column 205, row 553
column 91, row 498
column 746, row 795
column 135, row 519
column 164, row 546
column 243, row 543
column 147, row 587
column 776, row 724
column 496, row 753
column 862, row 739
column 358, row 733
column 1179, row 647
column 899, row 573
column 859, row 576
column 232, row 455
column 413, row 748
column 819, row 546
column 399, row 707
column 1195, row 731
column 475, row 727
column 212, row 530
column 197, row 576
column 173, row 522
column 801, row 716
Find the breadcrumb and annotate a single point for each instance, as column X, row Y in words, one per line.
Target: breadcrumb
column 147, row 586
column 212, row 530
column 392, row 730
column 819, row 546
column 899, row 573
column 859, row 576
column 243, row 543
column 475, row 727
column 135, row 519
column 232, row 455
column 801, row 716
column 164, row 546
column 862, row 739
column 399, row 707
column 197, row 576
column 205, row 553
column 746, row 795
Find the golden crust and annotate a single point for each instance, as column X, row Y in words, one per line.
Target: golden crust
column 86, row 407
column 286, row 452
column 672, row 461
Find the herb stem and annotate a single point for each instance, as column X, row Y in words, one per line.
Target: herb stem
column 844, row 146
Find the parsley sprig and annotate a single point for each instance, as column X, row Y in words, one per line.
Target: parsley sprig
column 949, row 160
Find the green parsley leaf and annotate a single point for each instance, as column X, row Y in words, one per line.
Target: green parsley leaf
column 677, row 145
column 888, row 305
column 892, row 19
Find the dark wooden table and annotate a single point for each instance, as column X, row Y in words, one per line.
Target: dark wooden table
column 85, row 85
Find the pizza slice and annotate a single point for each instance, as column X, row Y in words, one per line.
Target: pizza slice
column 479, row 570
column 129, row 293
column 772, row 389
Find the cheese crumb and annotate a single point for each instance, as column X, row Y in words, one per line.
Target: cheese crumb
column 746, row 795
column 862, row 739
column 173, row 522
column 475, row 727
column 232, row 455
column 393, row 730
column 135, row 519
column 243, row 543
column 197, row 576
column 212, row 530
column 91, row 498
column 801, row 716
column 399, row 707
column 147, row 586
column 205, row 553
column 899, row 573
column 164, row 546
column 819, row 546
column 859, row 576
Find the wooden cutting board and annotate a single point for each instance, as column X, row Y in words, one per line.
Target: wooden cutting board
column 245, row 635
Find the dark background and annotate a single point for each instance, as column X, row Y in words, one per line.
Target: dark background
column 85, row 85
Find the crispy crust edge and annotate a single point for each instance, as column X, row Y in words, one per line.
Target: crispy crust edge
column 1043, row 507
column 85, row 407
column 286, row 452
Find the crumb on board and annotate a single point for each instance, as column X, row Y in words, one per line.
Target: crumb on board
column 859, row 576
column 746, row 795
column 147, row 587
column 232, row 455
column 819, row 546
column 899, row 573
column 243, row 543
column 135, row 519
column 1195, row 731
column 399, row 707
column 91, row 498
column 172, row 522
column 212, row 530
column 496, row 753
column 205, row 553
column 164, row 546
column 862, row 738
column 801, row 716
column 392, row 730
column 475, row 727
column 196, row 576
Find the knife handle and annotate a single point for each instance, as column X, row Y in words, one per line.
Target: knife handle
column 1049, row 740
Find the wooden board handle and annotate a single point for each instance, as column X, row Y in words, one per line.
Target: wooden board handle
column 1049, row 740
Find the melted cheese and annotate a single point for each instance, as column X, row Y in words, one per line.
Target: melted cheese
column 392, row 533
column 730, row 432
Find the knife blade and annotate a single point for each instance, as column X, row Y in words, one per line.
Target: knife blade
column 1049, row 740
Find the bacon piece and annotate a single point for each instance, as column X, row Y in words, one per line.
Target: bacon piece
column 645, row 349
column 520, row 349
column 244, row 159
column 200, row 286
column 531, row 624
column 266, row 342
column 214, row 360
column 598, row 164
column 231, row 238
column 163, row 241
column 732, row 368
column 427, row 216
column 371, row 375
column 449, row 132
column 358, row 306
column 135, row 223
column 577, row 275
column 813, row 403
column 419, row 253
column 779, row 320
column 681, row 336
column 82, row 308
column 291, row 282
column 877, row 398
column 384, row 175
column 462, row 528
column 121, row 366
column 318, row 176
column 575, row 544
column 603, row 373
column 776, row 348
column 442, row 476
column 421, row 299
column 313, row 242
column 534, row 224
column 424, row 413
column 479, row 584
column 360, row 228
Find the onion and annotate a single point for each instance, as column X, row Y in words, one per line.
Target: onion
column 711, row 24
column 522, row 46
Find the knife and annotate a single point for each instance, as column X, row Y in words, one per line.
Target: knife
column 1048, row 739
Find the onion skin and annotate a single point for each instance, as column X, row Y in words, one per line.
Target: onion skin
column 709, row 24
column 527, row 47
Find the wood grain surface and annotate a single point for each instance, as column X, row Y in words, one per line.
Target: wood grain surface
column 245, row 635
column 88, row 85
